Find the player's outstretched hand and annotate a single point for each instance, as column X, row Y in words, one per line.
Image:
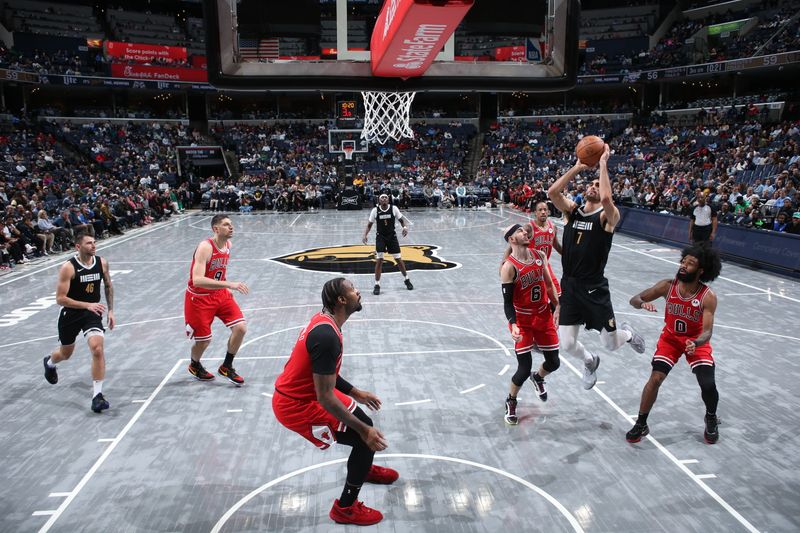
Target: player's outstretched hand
column 366, row 398
column 647, row 306
column 239, row 286
column 375, row 440
column 97, row 308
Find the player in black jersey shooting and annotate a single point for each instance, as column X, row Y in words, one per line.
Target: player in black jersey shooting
column 585, row 298
column 384, row 216
column 78, row 292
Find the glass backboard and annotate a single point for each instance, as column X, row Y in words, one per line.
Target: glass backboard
column 310, row 45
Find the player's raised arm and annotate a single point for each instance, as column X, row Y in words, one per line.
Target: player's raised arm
column 556, row 190
column 606, row 199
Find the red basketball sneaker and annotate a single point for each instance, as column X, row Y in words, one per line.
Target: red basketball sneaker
column 357, row 514
column 381, row 475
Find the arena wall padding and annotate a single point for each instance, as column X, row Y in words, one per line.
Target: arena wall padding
column 755, row 248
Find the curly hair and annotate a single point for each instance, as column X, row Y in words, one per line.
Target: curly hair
column 708, row 259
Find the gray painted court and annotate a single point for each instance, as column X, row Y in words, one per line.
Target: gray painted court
column 174, row 454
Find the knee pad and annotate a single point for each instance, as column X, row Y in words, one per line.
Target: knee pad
column 524, row 365
column 551, row 360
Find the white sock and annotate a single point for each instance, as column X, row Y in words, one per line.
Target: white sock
column 98, row 387
column 405, row 276
column 377, row 282
column 50, row 363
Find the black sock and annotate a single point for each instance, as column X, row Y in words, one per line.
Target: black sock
column 642, row 418
column 710, row 414
column 228, row 360
column 194, row 363
column 512, row 398
column 349, row 495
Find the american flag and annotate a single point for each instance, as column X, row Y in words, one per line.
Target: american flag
column 255, row 49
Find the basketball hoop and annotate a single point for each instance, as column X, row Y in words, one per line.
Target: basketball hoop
column 386, row 116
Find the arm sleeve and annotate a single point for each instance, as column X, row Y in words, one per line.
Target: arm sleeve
column 508, row 302
column 324, row 347
column 342, row 385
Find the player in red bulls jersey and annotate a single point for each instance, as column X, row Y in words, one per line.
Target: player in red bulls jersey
column 312, row 399
column 544, row 236
column 689, row 319
column 208, row 296
column 528, row 291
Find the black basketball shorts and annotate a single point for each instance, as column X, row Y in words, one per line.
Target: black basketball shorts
column 73, row 321
column 586, row 303
column 387, row 244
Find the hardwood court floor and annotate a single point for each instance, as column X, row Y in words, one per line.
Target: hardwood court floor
column 173, row 454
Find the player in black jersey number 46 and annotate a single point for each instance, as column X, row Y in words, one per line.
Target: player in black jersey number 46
column 78, row 292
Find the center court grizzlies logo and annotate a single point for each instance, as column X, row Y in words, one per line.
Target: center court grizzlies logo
column 360, row 259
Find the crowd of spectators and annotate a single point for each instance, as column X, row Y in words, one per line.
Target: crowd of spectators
column 60, row 178
column 726, row 101
column 522, row 107
column 289, row 156
column 748, row 170
column 672, row 49
column 48, row 194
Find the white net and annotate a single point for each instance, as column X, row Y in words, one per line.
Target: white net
column 386, row 116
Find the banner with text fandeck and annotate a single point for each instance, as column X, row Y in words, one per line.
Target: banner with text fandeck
column 143, row 52
column 145, row 72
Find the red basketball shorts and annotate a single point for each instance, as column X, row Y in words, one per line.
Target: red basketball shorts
column 670, row 348
column 536, row 329
column 199, row 312
column 310, row 419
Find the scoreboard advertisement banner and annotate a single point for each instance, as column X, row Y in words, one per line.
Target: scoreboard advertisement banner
column 143, row 52
column 147, row 72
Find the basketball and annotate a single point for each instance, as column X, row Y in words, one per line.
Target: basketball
column 589, row 150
